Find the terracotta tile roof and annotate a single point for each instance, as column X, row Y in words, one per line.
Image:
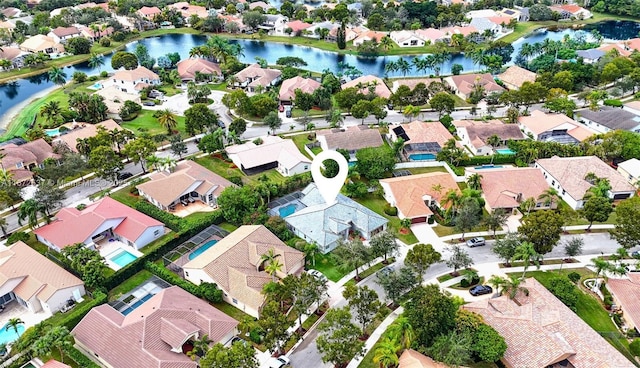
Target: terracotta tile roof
column 633, row 105
column 627, row 293
column 571, row 171
column 10, row 12
column 539, row 122
column 40, row 43
column 187, row 10
column 571, row 8
column 136, row 74
column 352, row 138
column 432, row 34
column 149, row 11
column 464, row 83
column 10, row 53
column 381, row 89
column 187, row 68
column 540, row 330
column 614, row 46
column 31, row 152
column 66, row 31
column 88, row 32
column 167, row 187
column 272, row 149
column 233, row 262
column 84, row 130
column 39, row 275
column 413, row 359
column 480, row 131
column 424, row 132
column 516, row 76
column 289, row 87
column 55, row 364
column 260, row 76
column 507, row 188
column 139, row 339
column 297, row 25
column 465, row 31
column 409, row 191
column 369, row 35
column 72, row 226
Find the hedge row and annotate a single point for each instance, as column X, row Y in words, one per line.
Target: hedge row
column 80, row 359
column 173, row 222
column 205, row 290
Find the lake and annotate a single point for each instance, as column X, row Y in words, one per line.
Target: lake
column 319, row 60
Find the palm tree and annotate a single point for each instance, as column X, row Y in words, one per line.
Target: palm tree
column 452, row 199
column 310, row 251
column 549, row 197
column 494, row 141
column 497, row 282
column 274, row 267
column 512, row 287
column 403, row 66
column 268, row 258
column 411, row 111
column 57, row 76
column 386, row 43
column 51, row 111
column 527, row 253
column 13, row 324
column 602, row 266
column 167, row 120
column 402, row 331
column 420, row 64
column 386, row 353
column 474, row 181
column 405, row 223
column 29, row 210
column 96, row 61
column 528, row 204
column 200, row 347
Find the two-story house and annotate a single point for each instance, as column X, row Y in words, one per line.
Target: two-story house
column 133, row 81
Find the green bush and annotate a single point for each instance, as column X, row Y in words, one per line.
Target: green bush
column 574, row 277
column 634, row 347
column 464, row 283
column 613, row 103
column 390, row 210
column 118, row 36
column 172, row 278
column 210, row 292
column 17, row 236
column 104, row 74
column 173, row 222
column 430, row 220
column 565, row 290
column 105, row 42
column 80, row 359
column 254, row 335
column 79, row 77
column 237, row 180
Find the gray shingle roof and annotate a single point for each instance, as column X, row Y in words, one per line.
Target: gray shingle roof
column 612, row 118
column 593, row 54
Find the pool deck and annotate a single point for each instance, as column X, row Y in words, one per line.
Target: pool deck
column 15, row 310
column 107, row 248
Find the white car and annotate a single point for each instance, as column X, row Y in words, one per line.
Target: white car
column 279, row 362
column 317, row 274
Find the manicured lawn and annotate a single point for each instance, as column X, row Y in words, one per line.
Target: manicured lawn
column 301, row 140
column 425, row 170
column 329, row 266
column 129, row 284
column 227, row 226
column 124, row 196
column 444, row 277
column 364, row 273
column 147, row 123
column 223, row 168
column 159, row 242
column 232, row 311
column 577, row 220
column 377, row 204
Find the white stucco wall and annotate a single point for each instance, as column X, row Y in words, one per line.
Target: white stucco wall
column 59, row 298
column 148, row 236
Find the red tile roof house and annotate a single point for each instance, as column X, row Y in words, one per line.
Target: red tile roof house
column 626, row 294
column 254, row 76
column 189, row 69
column 133, row 81
column 380, row 89
column 475, row 134
column 61, row 34
column 540, row 331
column 36, row 282
column 289, row 87
column 55, row 364
column 157, row 334
column 166, row 189
column 21, row 160
column 463, row 84
column 149, row 13
column 352, row 139
column 508, row 188
column 103, row 220
column 234, row 265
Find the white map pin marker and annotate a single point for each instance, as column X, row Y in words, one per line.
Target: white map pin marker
column 329, row 187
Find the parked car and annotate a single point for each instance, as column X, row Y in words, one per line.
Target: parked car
column 288, row 113
column 124, row 175
column 149, row 103
column 635, row 254
column 476, row 242
column 480, row 290
column 279, row 362
column 387, row 270
column 317, row 274
column 237, row 339
column 281, row 108
column 221, row 124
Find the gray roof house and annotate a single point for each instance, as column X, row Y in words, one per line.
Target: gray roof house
column 326, row 224
column 590, row 56
column 608, row 118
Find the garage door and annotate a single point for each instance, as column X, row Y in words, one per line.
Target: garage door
column 418, row 220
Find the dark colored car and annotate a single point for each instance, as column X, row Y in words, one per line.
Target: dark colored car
column 288, row 113
column 480, row 290
column 124, row 175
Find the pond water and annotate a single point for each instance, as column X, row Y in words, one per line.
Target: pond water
column 25, row 88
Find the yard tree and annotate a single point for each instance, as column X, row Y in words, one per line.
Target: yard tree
column 420, row 258
column 627, row 231
column 505, row 248
column 443, row 103
column 49, row 196
column 124, row 59
column 542, row 229
column 303, row 101
column 262, row 104
column 361, row 110
column 384, row 244
column 273, row 121
column 573, row 247
column 306, row 291
column 198, row 117
column 238, row 203
column 459, row 259
column 353, row 254
column 56, row 337
column 452, row 348
column 106, row 163
column 364, row 303
column 488, row 344
column 468, row 215
column 78, row 45
column 375, row 162
column 596, row 208
column 275, row 324
column 138, row 150
column 338, row 337
column 431, row 313
column 396, row 284
column 88, row 263
column 178, row 147
column 253, row 19
column 197, row 93
column 212, row 142
column 238, row 125
column 496, row 220
column 348, row 97
column 238, row 355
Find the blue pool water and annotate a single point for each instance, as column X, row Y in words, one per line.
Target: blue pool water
column 201, row 249
column 96, row 86
column 123, row 258
column 7, row 336
column 52, row 132
column 488, row 167
column 352, row 163
column 505, row 151
column 422, row 157
column 135, row 305
column 287, row 210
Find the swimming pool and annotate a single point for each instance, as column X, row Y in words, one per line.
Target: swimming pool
column 422, row 157
column 201, row 249
column 95, row 86
column 352, row 163
column 9, row 335
column 484, row 167
column 135, row 305
column 287, row 210
column 122, row 258
column 52, row 132
column 505, row 151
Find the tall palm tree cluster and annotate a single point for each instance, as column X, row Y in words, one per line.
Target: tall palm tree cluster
column 219, row 49
column 398, row 337
column 430, row 62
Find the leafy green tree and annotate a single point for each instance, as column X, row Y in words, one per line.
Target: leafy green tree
column 198, row 117
column 238, row 125
column 238, row 355
column 29, row 211
column 495, row 220
column 338, row 337
column 124, row 59
column 420, row 258
column 596, row 209
column 505, row 248
column 106, row 163
column 627, row 231
column 197, row 93
column 468, row 215
column 361, row 110
column 565, row 290
column 88, row 263
column 443, row 103
column 276, row 325
column 397, row 284
column 78, row 46
column 238, row 204
column 573, row 247
column 375, row 162
column 90, row 108
column 459, row 259
column 212, row 142
column 384, row 244
column 178, row 147
column 353, row 254
column 51, row 111
column 431, row 313
column 253, row 19
column 488, row 344
column 49, row 196
column 542, row 228
column 453, row 348
column 138, row 150
column 273, row 121
column 364, row 303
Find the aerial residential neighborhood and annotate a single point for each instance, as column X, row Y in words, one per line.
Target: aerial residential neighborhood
column 166, row 199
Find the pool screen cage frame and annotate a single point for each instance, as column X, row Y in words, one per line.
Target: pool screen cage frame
column 178, row 257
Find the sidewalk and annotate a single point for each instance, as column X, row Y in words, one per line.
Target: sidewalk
column 375, row 336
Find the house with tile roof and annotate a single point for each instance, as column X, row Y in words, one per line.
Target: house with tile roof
column 100, row 221
column 148, row 12
column 188, row 69
column 432, row 35
column 157, row 334
column 41, row 43
column 553, row 128
column 475, row 134
column 289, row 86
column 63, row 34
column 415, row 195
column 80, row 131
column 185, row 182
column 273, row 153
column 351, row 139
column 368, row 36
column 607, row 118
column 620, row 49
column 540, row 331
column 626, row 293
column 568, row 11
column 368, row 82
column 187, row 10
column 36, row 282
column 420, row 137
column 133, row 81
column 21, row 160
column 630, row 169
column 406, row 38
column 327, row 224
column 507, row 188
column 632, row 107
column 568, row 175
column 13, row 54
column 55, row 364
column 414, row 359
column 254, row 76
column 515, row 76
column 234, row 264
column 463, row 84
column 296, row 26
column 412, row 83
column 92, row 35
